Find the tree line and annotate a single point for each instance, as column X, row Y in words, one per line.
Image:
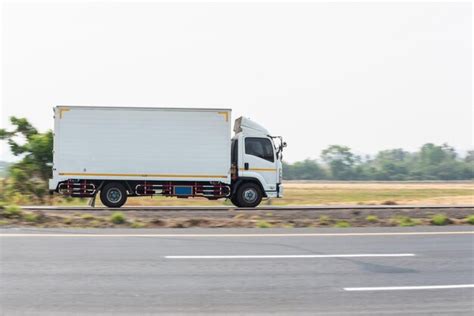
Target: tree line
column 430, row 162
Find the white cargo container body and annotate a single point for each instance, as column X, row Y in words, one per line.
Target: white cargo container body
column 184, row 152
column 138, row 143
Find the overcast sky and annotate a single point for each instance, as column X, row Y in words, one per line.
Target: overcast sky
column 371, row 76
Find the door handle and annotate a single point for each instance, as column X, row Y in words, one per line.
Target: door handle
column 246, row 166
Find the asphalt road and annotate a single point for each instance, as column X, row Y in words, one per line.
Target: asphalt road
column 366, row 271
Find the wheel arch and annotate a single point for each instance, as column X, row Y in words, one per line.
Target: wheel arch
column 125, row 183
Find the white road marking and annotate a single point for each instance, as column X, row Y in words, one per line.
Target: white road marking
column 293, row 256
column 401, row 288
column 94, row 235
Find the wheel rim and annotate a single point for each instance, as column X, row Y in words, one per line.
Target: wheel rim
column 250, row 195
column 114, row 195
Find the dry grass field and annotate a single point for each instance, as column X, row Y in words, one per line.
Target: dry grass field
column 350, row 193
column 377, row 193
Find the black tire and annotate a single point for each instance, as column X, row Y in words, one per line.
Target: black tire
column 113, row 195
column 248, row 195
column 234, row 201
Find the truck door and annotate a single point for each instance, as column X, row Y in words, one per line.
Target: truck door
column 259, row 161
column 234, row 158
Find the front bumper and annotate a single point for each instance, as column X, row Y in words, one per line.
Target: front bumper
column 278, row 193
column 280, row 190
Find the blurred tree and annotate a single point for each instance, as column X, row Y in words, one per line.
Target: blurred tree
column 430, row 154
column 30, row 175
column 435, row 162
column 390, row 165
column 469, row 157
column 341, row 161
column 304, row 170
column 287, row 171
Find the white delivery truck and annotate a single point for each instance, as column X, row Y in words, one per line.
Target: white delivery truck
column 119, row 152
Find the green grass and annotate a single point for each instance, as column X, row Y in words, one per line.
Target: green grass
column 32, row 217
column 440, row 220
column 324, row 220
column 12, row 211
column 406, row 221
column 94, row 223
column 263, row 224
column 342, row 224
column 117, row 218
column 3, row 223
column 470, row 219
column 137, row 224
column 372, row 218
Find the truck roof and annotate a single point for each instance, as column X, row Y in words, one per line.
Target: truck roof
column 142, row 108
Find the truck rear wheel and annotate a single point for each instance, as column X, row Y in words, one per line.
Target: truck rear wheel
column 113, row 195
column 247, row 195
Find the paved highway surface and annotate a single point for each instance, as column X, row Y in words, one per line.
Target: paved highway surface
column 357, row 271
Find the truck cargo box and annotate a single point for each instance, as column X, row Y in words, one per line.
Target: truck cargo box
column 141, row 144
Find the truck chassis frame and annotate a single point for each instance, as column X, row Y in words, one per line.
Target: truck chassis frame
column 183, row 189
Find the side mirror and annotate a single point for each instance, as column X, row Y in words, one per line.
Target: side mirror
column 284, row 144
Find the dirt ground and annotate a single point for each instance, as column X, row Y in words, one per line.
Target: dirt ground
column 240, row 218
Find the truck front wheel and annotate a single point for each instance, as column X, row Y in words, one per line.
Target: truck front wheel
column 247, row 195
column 113, row 195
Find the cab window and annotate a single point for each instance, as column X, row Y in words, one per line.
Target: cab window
column 260, row 147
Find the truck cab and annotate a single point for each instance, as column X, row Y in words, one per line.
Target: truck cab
column 256, row 164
